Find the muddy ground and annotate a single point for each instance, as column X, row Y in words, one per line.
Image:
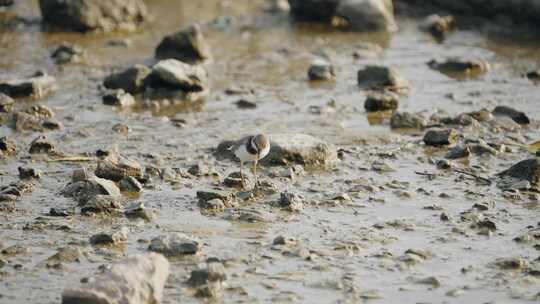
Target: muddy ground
column 358, row 220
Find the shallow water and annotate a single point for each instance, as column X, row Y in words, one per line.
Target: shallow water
column 269, row 54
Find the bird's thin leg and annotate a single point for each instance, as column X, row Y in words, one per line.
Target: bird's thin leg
column 242, row 174
column 255, row 173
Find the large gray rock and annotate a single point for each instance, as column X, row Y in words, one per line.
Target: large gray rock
column 187, row 45
column 528, row 169
column 179, row 75
column 139, row 279
column 36, row 86
column 91, row 15
column 287, row 148
column 131, row 80
column 313, row 10
column 368, row 15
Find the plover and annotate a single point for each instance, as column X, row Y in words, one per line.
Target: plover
column 251, row 149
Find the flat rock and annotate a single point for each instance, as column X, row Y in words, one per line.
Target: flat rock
column 407, row 120
column 187, row 45
column 36, row 86
column 84, row 190
column 291, row 201
column 90, row 15
column 517, row 116
column 130, row 184
column 115, row 167
column 440, row 137
column 321, row 70
column 528, row 169
column 131, row 80
column 453, row 66
column 137, row 279
column 376, row 77
column 381, row 101
column 368, row 15
column 174, row 245
column 110, row 238
column 179, row 75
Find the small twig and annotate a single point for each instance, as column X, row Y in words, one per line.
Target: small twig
column 71, row 159
column 425, row 174
column 477, row 177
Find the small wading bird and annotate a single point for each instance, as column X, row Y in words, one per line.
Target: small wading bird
column 251, row 149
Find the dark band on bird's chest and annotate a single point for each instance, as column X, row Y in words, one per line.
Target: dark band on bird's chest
column 249, row 147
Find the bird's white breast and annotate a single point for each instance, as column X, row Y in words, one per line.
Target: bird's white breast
column 245, row 156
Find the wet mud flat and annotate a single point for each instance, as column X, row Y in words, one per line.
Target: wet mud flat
column 430, row 195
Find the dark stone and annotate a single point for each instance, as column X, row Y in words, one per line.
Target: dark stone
column 517, row 116
column 528, row 169
column 321, row 70
column 245, row 104
column 68, row 53
column 291, row 201
column 113, row 238
column 41, row 145
column 36, row 86
column 214, row 272
column 381, row 101
column 7, row 2
column 407, row 120
column 131, row 80
column 61, row 212
column 453, row 66
column 28, row 173
column 439, row 26
column 174, row 245
column 313, row 10
column 119, row 98
column 177, row 75
column 90, row 15
column 187, row 45
column 199, row 169
column 458, row 152
column 101, row 204
column 440, row 137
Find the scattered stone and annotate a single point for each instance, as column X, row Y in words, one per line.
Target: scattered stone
column 381, row 101
column 199, row 169
column 381, row 78
column 528, row 170
column 287, row 148
column 119, row 98
column 179, row 75
column 36, row 86
column 533, row 75
column 440, row 137
column 137, row 279
column 433, row 281
column 458, row 152
column 68, row 254
column 174, row 245
column 407, row 120
column 131, row 80
column 7, row 147
column 115, row 167
column 28, row 173
column 207, row 195
column 89, row 15
column 245, row 104
column 460, row 65
column 438, row 26
column 68, row 53
column 138, row 210
column 6, row 103
column 41, row 145
column 291, row 201
column 281, row 240
column 214, row 272
column 130, row 184
column 517, row 116
column 368, row 15
column 7, row 2
column 187, row 45
column 101, row 204
column 511, row 263
column 121, row 128
column 234, row 180
column 213, row 205
column 113, row 238
column 61, row 212
column 15, row 250
column 321, row 70
column 313, row 10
